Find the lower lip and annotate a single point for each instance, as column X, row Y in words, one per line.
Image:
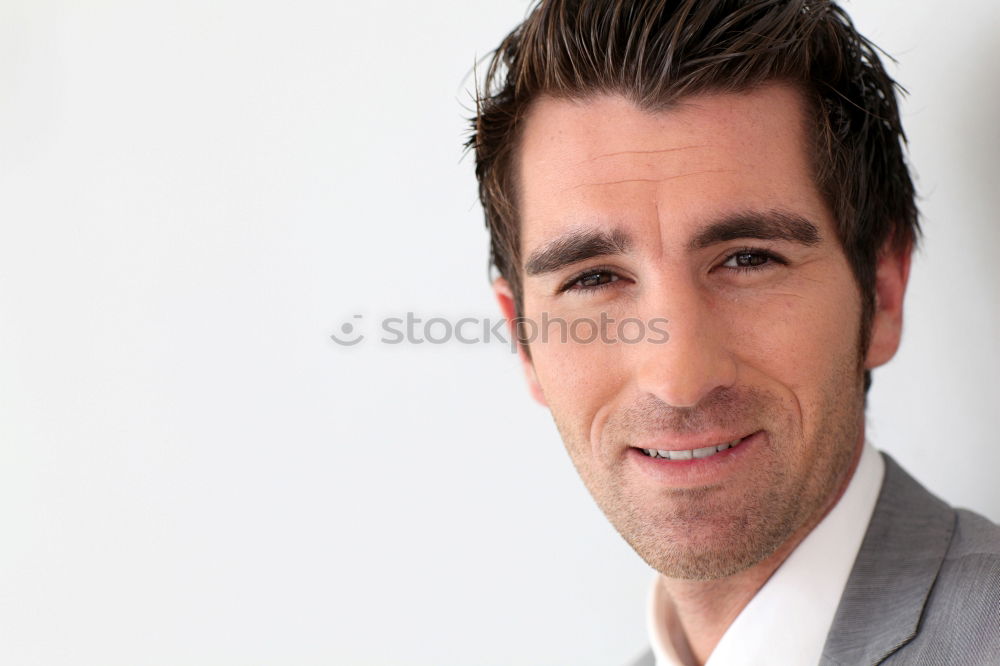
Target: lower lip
column 696, row 471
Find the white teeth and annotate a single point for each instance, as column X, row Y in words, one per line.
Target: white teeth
column 703, row 452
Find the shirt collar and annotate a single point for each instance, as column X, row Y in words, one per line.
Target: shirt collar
column 793, row 591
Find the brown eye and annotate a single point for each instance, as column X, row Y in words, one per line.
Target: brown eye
column 747, row 259
column 592, row 280
column 596, row 279
column 750, row 260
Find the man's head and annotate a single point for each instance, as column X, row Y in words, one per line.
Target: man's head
column 735, row 168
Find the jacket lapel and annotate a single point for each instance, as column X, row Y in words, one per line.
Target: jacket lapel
column 892, row 577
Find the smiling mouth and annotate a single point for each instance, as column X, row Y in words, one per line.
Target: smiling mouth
column 695, row 454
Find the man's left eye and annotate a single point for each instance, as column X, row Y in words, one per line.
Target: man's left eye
column 750, row 260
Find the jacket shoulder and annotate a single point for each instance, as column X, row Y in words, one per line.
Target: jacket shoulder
column 925, row 587
column 974, row 535
column 961, row 621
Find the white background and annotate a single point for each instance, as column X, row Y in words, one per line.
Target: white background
column 195, row 195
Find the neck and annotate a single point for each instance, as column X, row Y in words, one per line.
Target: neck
column 705, row 608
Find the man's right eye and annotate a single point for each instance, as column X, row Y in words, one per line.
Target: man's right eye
column 590, row 280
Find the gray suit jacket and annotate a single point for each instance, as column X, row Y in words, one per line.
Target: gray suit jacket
column 925, row 587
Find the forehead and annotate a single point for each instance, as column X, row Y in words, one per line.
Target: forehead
column 603, row 160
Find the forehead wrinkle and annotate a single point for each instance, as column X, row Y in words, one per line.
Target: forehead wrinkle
column 647, row 180
column 663, row 240
column 659, row 151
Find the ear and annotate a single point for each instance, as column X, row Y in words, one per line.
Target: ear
column 891, row 274
column 505, row 297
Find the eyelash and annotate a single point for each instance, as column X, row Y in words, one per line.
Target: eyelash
column 770, row 256
column 572, row 283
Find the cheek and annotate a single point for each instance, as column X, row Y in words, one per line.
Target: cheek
column 579, row 377
column 803, row 342
column 577, row 369
column 569, row 349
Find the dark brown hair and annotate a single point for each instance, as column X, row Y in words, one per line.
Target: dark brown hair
column 654, row 52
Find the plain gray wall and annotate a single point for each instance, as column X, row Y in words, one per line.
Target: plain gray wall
column 194, row 195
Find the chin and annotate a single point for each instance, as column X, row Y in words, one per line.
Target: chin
column 697, row 553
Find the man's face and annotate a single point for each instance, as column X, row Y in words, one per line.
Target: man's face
column 706, row 215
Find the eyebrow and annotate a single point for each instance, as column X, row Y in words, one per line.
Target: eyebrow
column 582, row 244
column 768, row 225
column 577, row 245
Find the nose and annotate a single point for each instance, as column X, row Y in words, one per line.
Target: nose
column 694, row 360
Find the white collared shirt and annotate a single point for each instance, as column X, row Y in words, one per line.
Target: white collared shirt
column 787, row 621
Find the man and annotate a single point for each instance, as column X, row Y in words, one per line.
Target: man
column 736, row 169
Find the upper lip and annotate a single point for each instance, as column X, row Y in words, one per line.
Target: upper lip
column 689, row 443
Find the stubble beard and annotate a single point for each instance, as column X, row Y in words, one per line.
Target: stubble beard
column 714, row 532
